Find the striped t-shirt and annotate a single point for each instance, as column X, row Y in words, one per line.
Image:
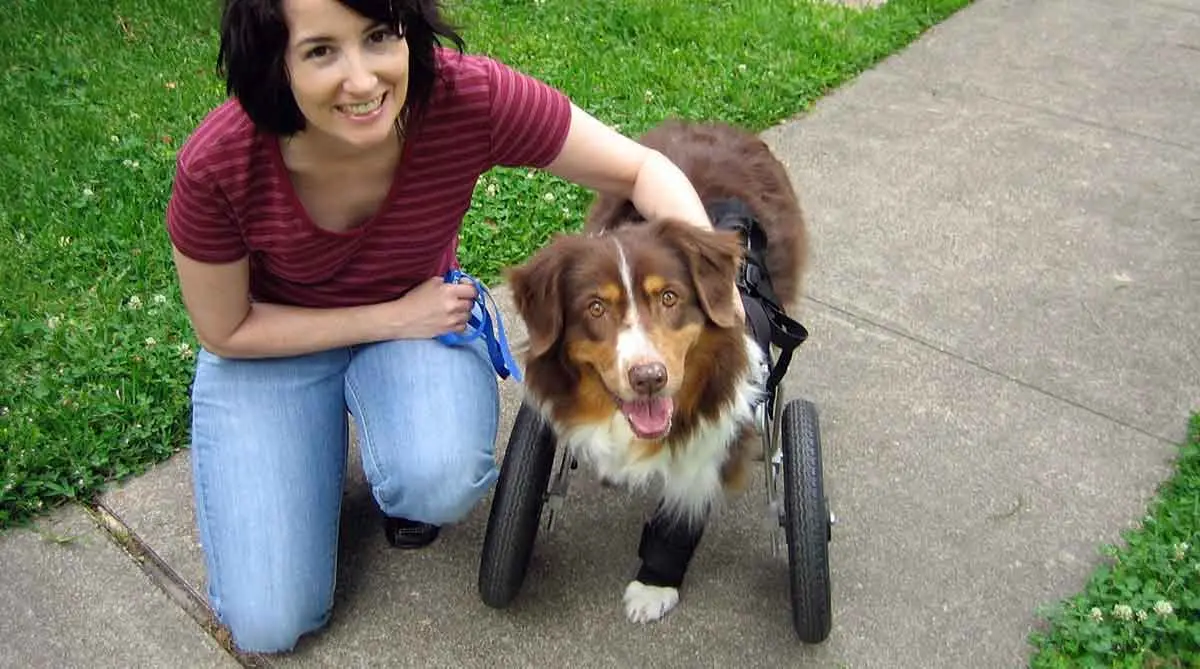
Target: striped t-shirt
column 232, row 196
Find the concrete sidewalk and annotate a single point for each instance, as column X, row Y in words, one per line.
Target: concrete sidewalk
column 1005, row 348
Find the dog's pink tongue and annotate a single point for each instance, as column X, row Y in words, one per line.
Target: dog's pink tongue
column 649, row 417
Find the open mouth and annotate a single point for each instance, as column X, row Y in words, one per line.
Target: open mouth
column 650, row 417
column 363, row 109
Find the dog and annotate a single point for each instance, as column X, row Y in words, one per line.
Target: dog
column 637, row 355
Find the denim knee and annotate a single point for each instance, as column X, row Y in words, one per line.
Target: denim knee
column 441, row 491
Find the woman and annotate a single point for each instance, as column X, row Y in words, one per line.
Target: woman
column 312, row 217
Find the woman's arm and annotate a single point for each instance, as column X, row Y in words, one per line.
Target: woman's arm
column 228, row 324
column 597, row 157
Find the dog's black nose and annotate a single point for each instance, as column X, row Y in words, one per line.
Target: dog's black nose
column 648, row 378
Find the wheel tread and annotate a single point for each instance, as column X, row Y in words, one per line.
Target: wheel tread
column 806, row 522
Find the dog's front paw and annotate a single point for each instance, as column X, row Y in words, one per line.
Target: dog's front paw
column 647, row 603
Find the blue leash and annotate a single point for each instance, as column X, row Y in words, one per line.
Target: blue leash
column 480, row 324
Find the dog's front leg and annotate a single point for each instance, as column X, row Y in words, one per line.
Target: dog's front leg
column 666, row 549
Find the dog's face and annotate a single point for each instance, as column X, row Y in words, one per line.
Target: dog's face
column 612, row 319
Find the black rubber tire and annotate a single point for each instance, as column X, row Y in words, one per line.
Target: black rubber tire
column 516, row 508
column 806, row 522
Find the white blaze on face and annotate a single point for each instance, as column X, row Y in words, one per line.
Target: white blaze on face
column 649, row 417
column 633, row 342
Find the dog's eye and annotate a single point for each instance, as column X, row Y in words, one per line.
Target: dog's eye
column 596, row 308
column 669, row 298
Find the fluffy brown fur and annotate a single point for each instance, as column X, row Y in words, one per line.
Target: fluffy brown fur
column 635, row 314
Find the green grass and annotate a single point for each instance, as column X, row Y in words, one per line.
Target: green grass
column 95, row 349
column 1141, row 608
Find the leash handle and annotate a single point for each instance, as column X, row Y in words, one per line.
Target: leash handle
column 481, row 325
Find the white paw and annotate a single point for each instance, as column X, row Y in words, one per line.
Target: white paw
column 647, row 603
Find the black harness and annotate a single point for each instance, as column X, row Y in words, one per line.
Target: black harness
column 768, row 322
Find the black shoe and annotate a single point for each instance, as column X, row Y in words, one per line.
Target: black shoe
column 405, row 533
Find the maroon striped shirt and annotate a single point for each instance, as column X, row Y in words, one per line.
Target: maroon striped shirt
column 232, row 196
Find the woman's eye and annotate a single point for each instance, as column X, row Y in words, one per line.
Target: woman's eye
column 383, row 35
column 669, row 298
column 318, row 52
column 596, row 308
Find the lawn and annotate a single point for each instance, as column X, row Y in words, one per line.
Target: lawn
column 1141, row 607
column 95, row 348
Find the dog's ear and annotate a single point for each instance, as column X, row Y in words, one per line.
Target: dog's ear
column 537, row 292
column 713, row 257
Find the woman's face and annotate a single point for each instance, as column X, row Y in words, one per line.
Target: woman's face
column 348, row 74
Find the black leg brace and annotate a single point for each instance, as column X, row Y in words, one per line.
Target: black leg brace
column 666, row 549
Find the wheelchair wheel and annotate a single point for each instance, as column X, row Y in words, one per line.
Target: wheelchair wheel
column 516, row 508
column 806, row 522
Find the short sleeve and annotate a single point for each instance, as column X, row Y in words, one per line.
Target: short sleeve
column 200, row 222
column 529, row 118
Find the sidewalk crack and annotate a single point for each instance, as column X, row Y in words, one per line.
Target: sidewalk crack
column 851, row 314
column 1085, row 121
column 168, row 580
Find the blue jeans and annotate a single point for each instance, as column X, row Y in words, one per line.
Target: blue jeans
column 269, row 448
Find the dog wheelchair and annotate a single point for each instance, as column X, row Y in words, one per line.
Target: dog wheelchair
column 535, row 474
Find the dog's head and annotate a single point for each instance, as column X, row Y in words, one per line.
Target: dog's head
column 613, row 318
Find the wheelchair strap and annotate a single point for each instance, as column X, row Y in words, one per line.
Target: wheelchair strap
column 769, row 323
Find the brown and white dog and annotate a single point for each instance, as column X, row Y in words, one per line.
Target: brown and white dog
column 637, row 355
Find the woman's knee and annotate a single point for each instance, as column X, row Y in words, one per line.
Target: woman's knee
column 438, row 490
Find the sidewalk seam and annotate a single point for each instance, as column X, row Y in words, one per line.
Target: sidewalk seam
column 925, row 343
column 1083, row 121
column 176, row 588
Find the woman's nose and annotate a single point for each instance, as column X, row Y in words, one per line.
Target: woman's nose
column 360, row 77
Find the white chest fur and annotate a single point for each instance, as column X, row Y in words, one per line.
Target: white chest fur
column 689, row 475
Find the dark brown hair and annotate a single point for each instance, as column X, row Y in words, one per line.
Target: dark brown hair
column 254, row 39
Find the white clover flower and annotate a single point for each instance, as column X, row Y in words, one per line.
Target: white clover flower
column 649, row 96
column 1181, row 550
column 131, row 164
column 1163, row 608
column 64, row 241
column 741, row 67
column 160, row 299
column 114, row 139
column 53, row 322
column 1123, row 612
column 549, row 197
column 134, row 302
column 1142, row 615
column 185, row 350
column 1096, row 614
column 491, row 190
column 151, row 341
column 88, row 192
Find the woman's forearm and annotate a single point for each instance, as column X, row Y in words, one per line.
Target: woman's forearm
column 662, row 190
column 275, row 330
